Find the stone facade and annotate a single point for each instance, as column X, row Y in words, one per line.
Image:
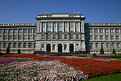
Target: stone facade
column 60, row 33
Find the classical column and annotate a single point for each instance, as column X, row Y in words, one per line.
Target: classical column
column 38, row 27
column 98, row 34
column 45, row 27
column 114, row 35
column 82, row 26
column 62, row 26
column 32, row 34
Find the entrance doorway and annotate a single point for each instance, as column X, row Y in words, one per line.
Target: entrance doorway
column 59, row 47
column 71, row 48
column 48, row 48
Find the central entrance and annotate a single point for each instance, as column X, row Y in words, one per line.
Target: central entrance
column 59, row 47
column 48, row 47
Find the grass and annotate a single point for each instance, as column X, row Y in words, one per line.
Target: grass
column 118, row 58
column 111, row 77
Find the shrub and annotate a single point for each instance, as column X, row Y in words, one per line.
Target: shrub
column 19, row 52
column 94, row 55
column 101, row 50
column 114, row 51
column 8, row 50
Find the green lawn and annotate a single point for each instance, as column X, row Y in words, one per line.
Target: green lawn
column 112, row 77
column 118, row 58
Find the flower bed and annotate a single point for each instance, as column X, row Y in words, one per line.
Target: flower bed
column 94, row 67
column 39, row 71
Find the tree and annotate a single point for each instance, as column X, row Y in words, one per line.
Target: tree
column 101, row 50
column 19, row 51
column 8, row 50
column 114, row 51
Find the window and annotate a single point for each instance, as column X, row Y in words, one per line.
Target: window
column 4, row 45
column 112, row 45
column 117, row 37
column 43, row 36
column 101, row 30
column 96, row 45
column 71, row 36
column 35, row 36
column 95, row 36
column 112, row 30
column 24, row 45
column 15, row 30
column 20, row 36
column 30, row 37
column 5, row 31
column 30, row 45
column 54, row 36
column 48, row 27
column 10, row 37
column 77, row 27
column 34, row 45
column 25, row 30
column 90, row 30
column 19, row 45
column 118, row 45
column 20, row 30
column 77, row 36
column 117, row 30
column 107, row 45
column 65, row 36
column 25, row 36
column 106, row 30
column 43, row 27
column 65, row 46
column 15, row 37
column 101, row 37
column 30, row 30
column 53, row 46
column 96, row 30
column 71, row 27
column 1, row 31
column 106, row 37
column 35, row 30
column 10, row 45
column 65, row 27
column 42, row 45
column 60, row 27
column 54, row 27
column 10, row 31
column 14, row 45
column 1, row 37
column 102, row 44
column 60, row 36
column 5, row 37
column 48, row 36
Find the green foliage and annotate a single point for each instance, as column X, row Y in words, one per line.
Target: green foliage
column 8, row 50
column 111, row 77
column 19, row 51
column 114, row 51
column 101, row 50
column 94, row 55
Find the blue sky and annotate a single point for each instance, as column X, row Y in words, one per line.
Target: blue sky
column 25, row 11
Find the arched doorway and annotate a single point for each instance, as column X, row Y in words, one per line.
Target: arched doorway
column 59, row 47
column 71, row 48
column 48, row 48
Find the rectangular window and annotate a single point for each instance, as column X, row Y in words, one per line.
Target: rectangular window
column 30, row 30
column 35, row 30
column 60, row 27
column 20, row 30
column 48, row 36
column 48, row 27
column 4, row 45
column 54, row 36
column 30, row 37
column 60, row 36
column 30, row 45
column 5, row 31
column 118, row 45
column 77, row 27
column 107, row 45
column 10, row 31
column 71, row 27
column 42, row 45
column 65, row 36
column 96, row 45
column 15, row 30
column 77, row 36
column 24, row 45
column 71, row 36
column 25, row 30
column 43, row 36
column 35, row 37
column 25, row 36
column 1, row 31
column 19, row 45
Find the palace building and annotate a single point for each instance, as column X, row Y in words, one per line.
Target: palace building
column 60, row 32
